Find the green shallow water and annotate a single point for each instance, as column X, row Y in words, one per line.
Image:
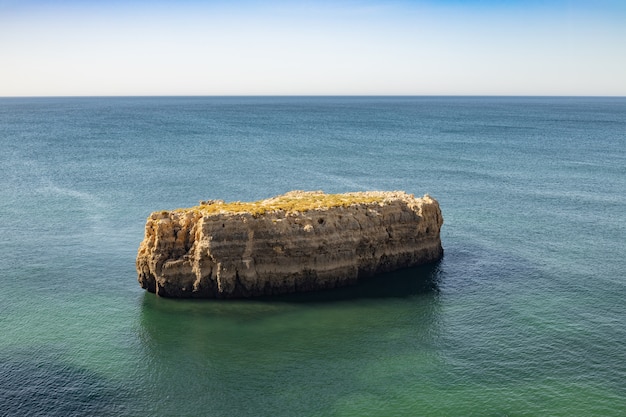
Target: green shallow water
column 524, row 316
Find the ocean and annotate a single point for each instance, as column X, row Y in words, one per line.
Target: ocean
column 524, row 316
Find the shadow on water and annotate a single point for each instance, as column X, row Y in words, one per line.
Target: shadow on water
column 45, row 386
column 285, row 354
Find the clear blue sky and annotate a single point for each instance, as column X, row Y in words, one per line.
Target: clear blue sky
column 280, row 47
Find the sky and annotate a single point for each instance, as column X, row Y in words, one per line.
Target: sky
column 341, row 47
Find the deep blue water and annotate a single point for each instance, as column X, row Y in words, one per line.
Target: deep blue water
column 524, row 316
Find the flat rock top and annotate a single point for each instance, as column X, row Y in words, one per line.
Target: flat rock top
column 301, row 201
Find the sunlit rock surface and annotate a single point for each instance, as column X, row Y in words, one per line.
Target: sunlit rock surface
column 300, row 241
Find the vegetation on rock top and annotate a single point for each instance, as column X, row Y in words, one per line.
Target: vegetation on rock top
column 294, row 201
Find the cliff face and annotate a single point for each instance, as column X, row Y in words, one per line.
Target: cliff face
column 219, row 250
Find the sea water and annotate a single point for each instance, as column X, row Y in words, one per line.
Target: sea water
column 524, row 316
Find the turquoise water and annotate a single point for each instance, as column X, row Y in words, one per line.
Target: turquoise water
column 524, row 316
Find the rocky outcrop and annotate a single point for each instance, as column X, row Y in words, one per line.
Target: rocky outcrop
column 299, row 241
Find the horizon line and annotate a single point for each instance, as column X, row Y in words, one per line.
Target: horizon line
column 319, row 95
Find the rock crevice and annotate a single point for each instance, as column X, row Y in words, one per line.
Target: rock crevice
column 300, row 241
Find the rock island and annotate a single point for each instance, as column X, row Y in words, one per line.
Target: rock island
column 299, row 241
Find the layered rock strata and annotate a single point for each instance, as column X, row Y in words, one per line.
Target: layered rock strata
column 299, row 241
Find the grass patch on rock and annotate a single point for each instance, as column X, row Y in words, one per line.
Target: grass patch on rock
column 294, row 201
